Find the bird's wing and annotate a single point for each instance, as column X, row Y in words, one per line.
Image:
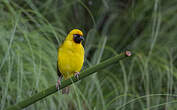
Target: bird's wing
column 58, row 71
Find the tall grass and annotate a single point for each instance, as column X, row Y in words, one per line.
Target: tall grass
column 31, row 31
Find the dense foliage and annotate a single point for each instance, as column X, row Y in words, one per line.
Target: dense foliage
column 32, row 30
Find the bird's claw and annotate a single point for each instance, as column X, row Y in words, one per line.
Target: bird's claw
column 77, row 75
column 128, row 53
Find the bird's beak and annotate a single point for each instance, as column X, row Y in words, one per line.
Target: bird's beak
column 81, row 38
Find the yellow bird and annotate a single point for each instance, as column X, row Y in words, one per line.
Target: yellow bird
column 70, row 57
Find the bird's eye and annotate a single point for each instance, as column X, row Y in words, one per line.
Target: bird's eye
column 76, row 35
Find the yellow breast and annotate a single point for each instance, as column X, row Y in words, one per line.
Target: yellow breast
column 70, row 58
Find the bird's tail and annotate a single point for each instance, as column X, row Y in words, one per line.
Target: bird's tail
column 65, row 90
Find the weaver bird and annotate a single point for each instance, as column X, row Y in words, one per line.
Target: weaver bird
column 70, row 57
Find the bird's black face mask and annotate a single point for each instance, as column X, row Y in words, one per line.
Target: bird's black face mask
column 78, row 38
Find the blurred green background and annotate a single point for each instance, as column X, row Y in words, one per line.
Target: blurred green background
column 32, row 30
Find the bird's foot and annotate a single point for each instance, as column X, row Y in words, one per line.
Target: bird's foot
column 58, row 83
column 128, row 53
column 77, row 75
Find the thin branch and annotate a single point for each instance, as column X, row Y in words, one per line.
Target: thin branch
column 68, row 82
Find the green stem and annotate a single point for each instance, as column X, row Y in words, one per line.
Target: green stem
column 68, row 82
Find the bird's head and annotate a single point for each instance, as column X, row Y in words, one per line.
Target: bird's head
column 75, row 35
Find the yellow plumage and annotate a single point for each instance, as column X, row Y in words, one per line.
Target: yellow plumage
column 71, row 54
